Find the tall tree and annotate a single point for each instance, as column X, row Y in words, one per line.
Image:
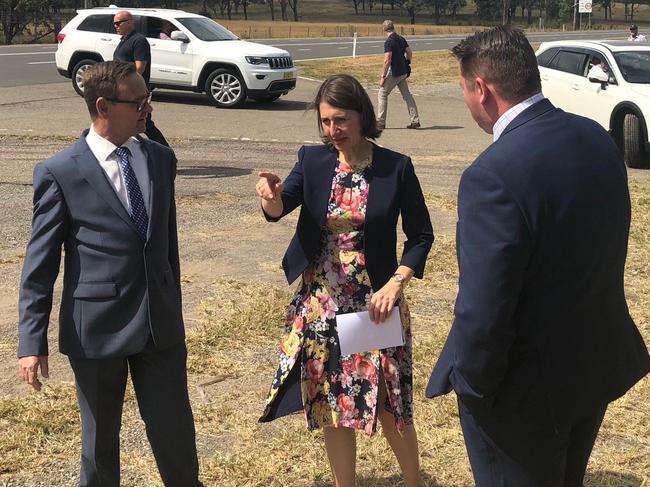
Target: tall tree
column 293, row 5
column 16, row 15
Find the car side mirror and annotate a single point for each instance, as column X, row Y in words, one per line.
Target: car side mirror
column 177, row 35
column 598, row 75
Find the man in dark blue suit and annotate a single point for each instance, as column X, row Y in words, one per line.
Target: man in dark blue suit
column 108, row 200
column 542, row 339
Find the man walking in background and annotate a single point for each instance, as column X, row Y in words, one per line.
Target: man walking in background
column 395, row 70
column 542, row 339
column 635, row 36
column 134, row 48
column 108, row 200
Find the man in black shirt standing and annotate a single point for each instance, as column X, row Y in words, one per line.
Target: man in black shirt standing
column 135, row 48
column 397, row 60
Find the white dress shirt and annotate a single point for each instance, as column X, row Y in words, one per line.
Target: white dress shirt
column 104, row 152
column 505, row 119
column 638, row 38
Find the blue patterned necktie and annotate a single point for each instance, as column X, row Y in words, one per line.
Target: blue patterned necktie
column 138, row 210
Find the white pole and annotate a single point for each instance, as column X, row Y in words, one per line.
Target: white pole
column 354, row 46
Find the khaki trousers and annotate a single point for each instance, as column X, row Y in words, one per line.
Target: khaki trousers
column 389, row 84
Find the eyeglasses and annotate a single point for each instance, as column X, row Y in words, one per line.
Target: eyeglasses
column 117, row 23
column 139, row 105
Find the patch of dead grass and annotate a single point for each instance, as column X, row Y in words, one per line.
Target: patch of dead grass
column 38, row 429
column 429, row 68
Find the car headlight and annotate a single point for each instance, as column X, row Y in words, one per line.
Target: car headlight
column 257, row 60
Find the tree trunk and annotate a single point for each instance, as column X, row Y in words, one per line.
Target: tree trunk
column 293, row 4
column 244, row 5
column 411, row 12
column 283, row 9
column 272, row 7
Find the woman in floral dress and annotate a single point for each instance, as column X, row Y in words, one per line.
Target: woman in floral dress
column 351, row 193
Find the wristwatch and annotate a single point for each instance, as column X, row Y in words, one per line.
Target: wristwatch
column 398, row 278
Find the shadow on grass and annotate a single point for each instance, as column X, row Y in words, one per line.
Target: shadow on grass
column 392, row 481
column 611, row 479
column 200, row 99
column 210, row 172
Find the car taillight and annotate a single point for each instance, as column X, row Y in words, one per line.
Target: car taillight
column 60, row 37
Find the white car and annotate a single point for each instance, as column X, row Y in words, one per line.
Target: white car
column 202, row 56
column 616, row 94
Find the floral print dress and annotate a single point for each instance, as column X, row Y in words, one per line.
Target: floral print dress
column 341, row 390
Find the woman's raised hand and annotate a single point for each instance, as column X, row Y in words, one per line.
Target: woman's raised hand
column 268, row 186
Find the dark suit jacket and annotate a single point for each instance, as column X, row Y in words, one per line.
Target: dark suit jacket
column 118, row 290
column 544, row 217
column 394, row 189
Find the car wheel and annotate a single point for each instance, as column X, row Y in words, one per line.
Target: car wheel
column 633, row 142
column 267, row 98
column 78, row 72
column 225, row 88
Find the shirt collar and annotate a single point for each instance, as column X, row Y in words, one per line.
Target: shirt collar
column 104, row 148
column 505, row 119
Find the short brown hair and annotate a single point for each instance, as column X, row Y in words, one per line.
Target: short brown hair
column 502, row 56
column 345, row 92
column 102, row 80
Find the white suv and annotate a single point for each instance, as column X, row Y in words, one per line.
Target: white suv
column 202, row 56
column 617, row 95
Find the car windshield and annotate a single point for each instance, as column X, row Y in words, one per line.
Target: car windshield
column 207, row 29
column 634, row 65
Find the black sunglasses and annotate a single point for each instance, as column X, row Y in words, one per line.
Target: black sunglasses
column 139, row 105
column 117, row 23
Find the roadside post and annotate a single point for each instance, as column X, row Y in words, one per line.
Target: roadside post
column 354, row 46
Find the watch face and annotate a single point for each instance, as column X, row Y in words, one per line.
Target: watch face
column 398, row 277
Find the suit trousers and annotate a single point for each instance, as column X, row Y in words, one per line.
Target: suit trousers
column 525, row 449
column 160, row 381
column 153, row 133
column 389, row 84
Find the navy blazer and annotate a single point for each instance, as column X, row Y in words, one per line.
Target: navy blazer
column 544, row 217
column 118, row 289
column 393, row 189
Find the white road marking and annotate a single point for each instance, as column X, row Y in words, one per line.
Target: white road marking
column 25, row 53
column 304, row 49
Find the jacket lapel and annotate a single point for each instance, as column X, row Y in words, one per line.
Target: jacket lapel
column 375, row 189
column 93, row 173
column 323, row 190
column 154, row 197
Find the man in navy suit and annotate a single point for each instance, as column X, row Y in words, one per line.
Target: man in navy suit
column 109, row 201
column 542, row 339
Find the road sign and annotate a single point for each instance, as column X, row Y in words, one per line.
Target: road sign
column 584, row 6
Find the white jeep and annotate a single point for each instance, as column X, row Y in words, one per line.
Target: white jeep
column 616, row 94
column 202, row 56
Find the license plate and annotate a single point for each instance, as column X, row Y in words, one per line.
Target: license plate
column 288, row 75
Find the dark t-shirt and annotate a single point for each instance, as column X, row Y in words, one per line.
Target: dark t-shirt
column 134, row 47
column 397, row 45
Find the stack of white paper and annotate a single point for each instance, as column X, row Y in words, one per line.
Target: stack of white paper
column 358, row 334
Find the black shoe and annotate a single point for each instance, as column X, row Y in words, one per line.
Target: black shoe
column 413, row 125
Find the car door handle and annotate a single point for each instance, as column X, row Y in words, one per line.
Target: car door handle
column 105, row 39
column 545, row 78
column 153, row 44
column 575, row 86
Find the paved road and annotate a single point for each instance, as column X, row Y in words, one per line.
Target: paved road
column 34, row 64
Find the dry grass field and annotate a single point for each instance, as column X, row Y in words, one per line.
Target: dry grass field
column 41, row 432
column 428, row 68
